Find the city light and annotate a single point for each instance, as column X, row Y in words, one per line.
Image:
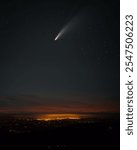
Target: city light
column 50, row 117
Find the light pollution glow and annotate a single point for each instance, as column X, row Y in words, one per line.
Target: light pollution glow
column 50, row 117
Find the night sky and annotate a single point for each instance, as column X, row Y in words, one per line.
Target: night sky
column 78, row 72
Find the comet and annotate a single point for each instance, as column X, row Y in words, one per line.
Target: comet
column 65, row 29
column 68, row 27
column 60, row 34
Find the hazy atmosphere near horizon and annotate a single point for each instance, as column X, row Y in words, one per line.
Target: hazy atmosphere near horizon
column 59, row 56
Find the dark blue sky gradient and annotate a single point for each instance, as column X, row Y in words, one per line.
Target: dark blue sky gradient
column 81, row 67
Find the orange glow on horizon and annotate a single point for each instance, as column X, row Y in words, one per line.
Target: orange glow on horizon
column 50, row 117
column 62, row 109
column 77, row 106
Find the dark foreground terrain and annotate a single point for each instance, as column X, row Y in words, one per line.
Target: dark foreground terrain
column 99, row 133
